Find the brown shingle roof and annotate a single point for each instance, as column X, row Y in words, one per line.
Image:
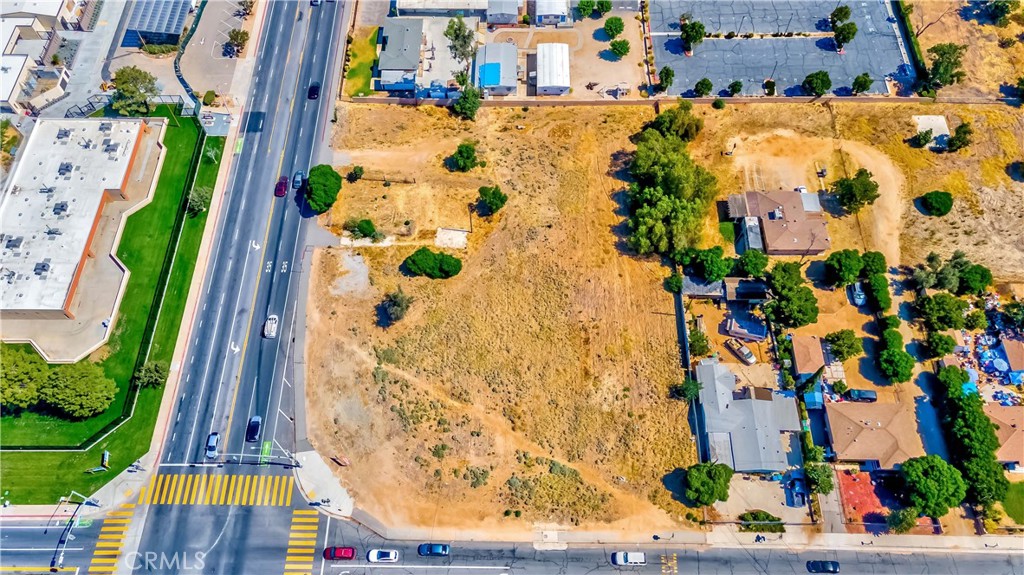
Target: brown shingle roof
column 1014, row 354
column 807, row 354
column 882, row 432
column 1010, row 422
column 788, row 228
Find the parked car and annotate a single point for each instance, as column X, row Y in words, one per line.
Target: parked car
column 743, row 352
column 796, row 487
column 823, row 567
column 212, row 441
column 623, row 558
column 281, row 189
column 342, row 553
column 298, row 179
column 252, row 430
column 857, row 294
column 433, row 550
column 382, row 556
column 861, row 395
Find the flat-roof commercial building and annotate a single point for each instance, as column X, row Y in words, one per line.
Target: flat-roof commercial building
column 156, row 22
column 66, row 173
column 552, row 69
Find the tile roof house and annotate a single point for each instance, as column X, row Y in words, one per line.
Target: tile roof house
column 790, row 223
column 750, row 429
column 401, row 45
column 879, row 435
column 1014, row 350
column 808, row 356
column 1009, row 422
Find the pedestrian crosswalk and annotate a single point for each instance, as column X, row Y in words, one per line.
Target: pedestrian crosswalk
column 302, row 542
column 238, row 490
column 111, row 539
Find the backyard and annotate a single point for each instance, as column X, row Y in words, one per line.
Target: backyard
column 40, row 477
column 533, row 384
column 362, row 56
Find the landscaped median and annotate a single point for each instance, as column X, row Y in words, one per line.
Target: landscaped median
column 159, row 247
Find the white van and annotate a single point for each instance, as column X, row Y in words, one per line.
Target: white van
column 628, row 558
column 270, row 327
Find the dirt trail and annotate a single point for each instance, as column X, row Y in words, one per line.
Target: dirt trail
column 883, row 219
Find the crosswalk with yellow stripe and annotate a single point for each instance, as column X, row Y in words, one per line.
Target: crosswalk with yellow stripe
column 193, row 489
column 111, row 539
column 302, row 542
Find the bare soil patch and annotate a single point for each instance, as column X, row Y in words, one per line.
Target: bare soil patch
column 536, row 381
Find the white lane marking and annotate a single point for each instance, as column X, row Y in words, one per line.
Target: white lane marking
column 327, row 532
column 27, row 549
column 249, row 414
column 206, row 372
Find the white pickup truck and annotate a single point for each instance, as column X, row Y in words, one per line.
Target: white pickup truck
column 270, row 327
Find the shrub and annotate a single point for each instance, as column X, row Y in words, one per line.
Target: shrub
column 921, row 139
column 961, row 138
column 464, row 159
column 492, row 199
column 209, row 98
column 674, row 283
column 703, row 87
column 718, row 104
column 434, row 265
column 397, row 304
column 735, row 87
column 819, row 478
column 468, row 103
column 902, row 520
column 708, row 482
column 760, row 521
column 613, row 27
column 937, row 202
column 78, row 390
column 620, row 48
column 355, row 174
column 322, row 188
column 976, row 320
column 817, row 83
column 856, row 192
column 840, row 387
column 152, row 374
column 699, row 346
column 769, row 87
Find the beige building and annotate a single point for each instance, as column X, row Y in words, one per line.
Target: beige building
column 877, row 435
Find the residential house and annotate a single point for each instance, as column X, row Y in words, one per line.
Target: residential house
column 750, row 429
column 401, row 50
column 808, row 356
column 699, row 288
column 551, row 13
column 30, row 78
column 743, row 290
column 1014, row 351
column 496, row 71
column 780, row 223
column 552, row 69
column 1009, row 422
column 503, row 12
column 876, row 435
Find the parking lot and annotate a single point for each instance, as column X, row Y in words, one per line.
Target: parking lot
column 877, row 49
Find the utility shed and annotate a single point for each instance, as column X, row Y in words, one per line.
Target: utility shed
column 496, row 69
column 552, row 69
column 155, row 22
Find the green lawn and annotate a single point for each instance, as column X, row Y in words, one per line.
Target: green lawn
column 364, row 56
column 728, row 231
column 42, row 477
column 1013, row 503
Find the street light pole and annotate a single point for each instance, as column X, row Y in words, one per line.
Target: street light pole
column 58, row 562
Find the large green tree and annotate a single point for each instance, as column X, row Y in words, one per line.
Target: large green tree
column 844, row 344
column 752, row 263
column 874, row 263
column 152, row 374
column 613, row 27
column 468, row 103
column 817, row 83
column 322, row 188
column 947, row 64
column 492, row 199
column 586, row 8
column 78, row 390
column 434, row 265
column 793, row 304
column 678, row 121
column 862, row 83
column 692, row 34
column 896, row 365
column 933, row 485
column 666, row 77
column 856, row 192
column 134, row 89
column 703, row 87
column 843, row 267
column 844, row 33
column 819, row 478
column 942, row 311
column 712, row 264
column 708, row 482
column 464, row 159
column 22, row 372
column 840, row 14
column 461, row 39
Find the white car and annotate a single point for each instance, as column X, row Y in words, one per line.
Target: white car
column 857, row 294
column 270, row 327
column 382, row 556
column 625, row 558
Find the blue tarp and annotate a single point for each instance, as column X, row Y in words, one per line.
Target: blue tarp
column 490, row 74
column 970, row 388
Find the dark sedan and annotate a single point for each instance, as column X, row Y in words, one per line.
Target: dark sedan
column 433, row 550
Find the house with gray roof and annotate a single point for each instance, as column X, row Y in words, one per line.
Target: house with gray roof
column 503, row 12
column 401, row 50
column 496, row 70
column 750, row 429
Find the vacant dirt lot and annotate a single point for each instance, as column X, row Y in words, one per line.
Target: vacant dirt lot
column 535, row 381
column 990, row 69
column 779, row 147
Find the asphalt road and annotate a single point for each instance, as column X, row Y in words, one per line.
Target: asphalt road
column 38, row 544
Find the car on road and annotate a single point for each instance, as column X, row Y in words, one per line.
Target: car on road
column 212, row 441
column 339, row 553
column 270, row 327
column 433, row 550
column 857, row 294
column 281, row 189
column 861, row 395
column 252, row 430
column 627, row 558
column 298, row 179
column 823, row 567
column 382, row 556
column 314, row 91
column 743, row 352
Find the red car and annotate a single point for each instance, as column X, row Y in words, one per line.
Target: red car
column 281, row 189
column 336, row 553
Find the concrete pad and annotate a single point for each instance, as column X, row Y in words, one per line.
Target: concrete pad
column 438, row 65
column 449, row 238
column 939, row 128
column 320, row 487
column 755, row 493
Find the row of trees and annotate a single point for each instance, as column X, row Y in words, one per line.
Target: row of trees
column 844, row 267
column 670, row 193
column 587, row 7
column 75, row 391
column 712, row 264
column 956, row 275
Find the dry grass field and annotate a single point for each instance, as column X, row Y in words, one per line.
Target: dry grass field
column 990, row 69
column 537, row 380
